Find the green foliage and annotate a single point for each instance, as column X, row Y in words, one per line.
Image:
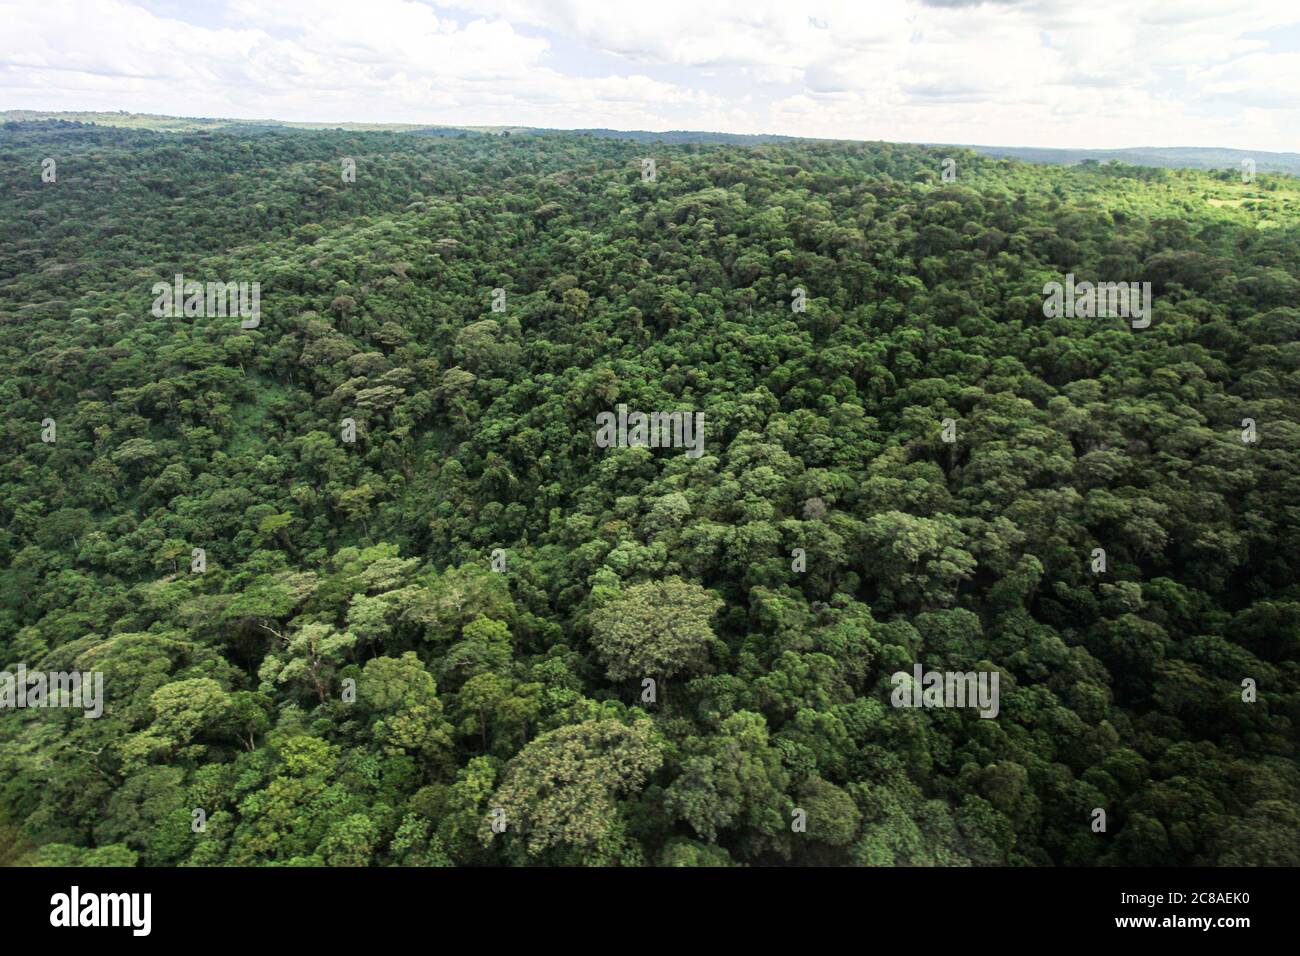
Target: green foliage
column 656, row 628
column 561, row 790
column 350, row 682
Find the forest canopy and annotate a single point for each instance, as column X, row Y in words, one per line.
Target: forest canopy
column 464, row 633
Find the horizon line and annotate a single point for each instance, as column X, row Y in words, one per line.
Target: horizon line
column 506, row 127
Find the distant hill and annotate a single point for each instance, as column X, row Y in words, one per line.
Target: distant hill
column 189, row 124
column 677, row 136
column 1188, row 157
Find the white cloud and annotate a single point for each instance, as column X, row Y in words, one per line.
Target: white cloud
column 1041, row 72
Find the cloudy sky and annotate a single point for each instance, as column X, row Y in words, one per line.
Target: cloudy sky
column 1100, row 73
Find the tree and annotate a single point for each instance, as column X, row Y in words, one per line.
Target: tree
column 561, row 789
column 310, row 656
column 404, row 698
column 918, row 562
column 658, row 629
column 733, row 778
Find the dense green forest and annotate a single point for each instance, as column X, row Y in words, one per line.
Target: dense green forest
column 430, row 646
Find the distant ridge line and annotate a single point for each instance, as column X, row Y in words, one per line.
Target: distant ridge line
column 1168, row 157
